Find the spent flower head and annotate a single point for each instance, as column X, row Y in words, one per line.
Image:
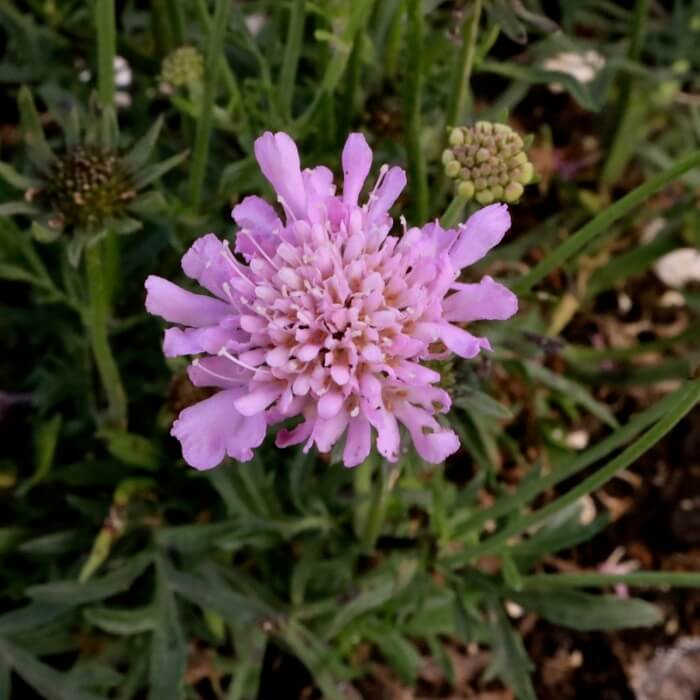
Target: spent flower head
column 90, row 185
column 488, row 162
column 323, row 317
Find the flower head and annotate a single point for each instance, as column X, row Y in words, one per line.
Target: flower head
column 89, row 186
column 488, row 162
column 325, row 316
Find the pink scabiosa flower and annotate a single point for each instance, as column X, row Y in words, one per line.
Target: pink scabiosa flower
column 325, row 316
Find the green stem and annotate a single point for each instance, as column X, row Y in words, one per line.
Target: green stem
column 212, row 65
column 677, row 579
column 106, row 50
column 393, row 43
column 618, row 149
column 96, row 318
column 683, row 401
column 290, row 61
column 230, row 83
column 414, row 93
column 377, row 509
column 603, row 221
column 176, row 15
column 453, row 213
column 360, row 11
column 463, row 68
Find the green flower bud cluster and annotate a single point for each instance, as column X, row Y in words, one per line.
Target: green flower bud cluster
column 183, row 66
column 488, row 162
column 87, row 186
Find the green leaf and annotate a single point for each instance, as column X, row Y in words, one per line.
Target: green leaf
column 76, row 593
column 250, row 644
column 571, row 390
column 5, row 680
column 231, row 605
column 585, row 611
column 140, row 152
column 479, row 403
column 29, row 617
column 39, row 150
column 550, row 540
column 124, row 225
column 12, row 177
column 55, row 543
column 18, row 208
column 122, row 621
column 399, row 653
column 147, row 204
column 131, row 448
column 46, row 441
column 153, row 172
column 377, row 591
column 194, row 538
column 48, row 683
column 510, row 660
column 46, row 234
column 15, row 273
column 168, row 645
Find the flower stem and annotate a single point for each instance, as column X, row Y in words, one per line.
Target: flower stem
column 622, row 143
column 463, row 69
column 288, row 74
column 453, row 213
column 215, row 46
column 414, row 94
column 381, row 489
column 96, row 322
column 603, row 221
column 586, row 579
column 106, row 50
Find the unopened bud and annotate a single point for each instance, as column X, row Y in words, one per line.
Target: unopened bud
column 488, row 162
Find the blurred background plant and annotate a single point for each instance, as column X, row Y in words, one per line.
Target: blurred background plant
column 573, row 510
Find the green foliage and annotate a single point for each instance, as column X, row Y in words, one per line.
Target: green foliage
column 126, row 573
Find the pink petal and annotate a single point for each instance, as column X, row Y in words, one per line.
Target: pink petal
column 256, row 215
column 358, row 442
column 212, row 429
column 298, row 434
column 486, row 301
column 433, row 442
column 259, row 398
column 330, row 404
column 326, row 432
column 205, row 262
column 279, row 161
column 462, row 342
column 318, row 183
column 217, row 371
column 357, row 161
column 481, row 232
column 387, row 193
column 388, row 438
column 177, row 305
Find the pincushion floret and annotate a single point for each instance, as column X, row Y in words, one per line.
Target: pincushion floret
column 323, row 316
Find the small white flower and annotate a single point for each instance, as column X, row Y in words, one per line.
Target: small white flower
column 583, row 67
column 122, row 72
column 679, row 267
